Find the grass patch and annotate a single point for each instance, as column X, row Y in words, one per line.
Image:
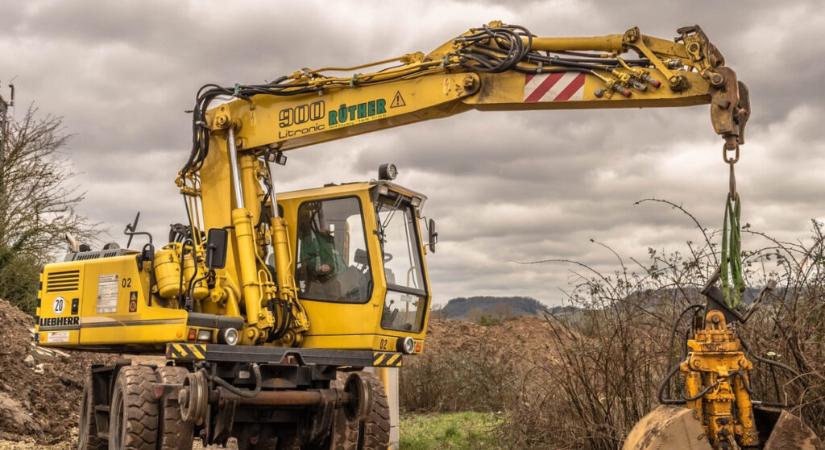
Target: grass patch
column 453, row 431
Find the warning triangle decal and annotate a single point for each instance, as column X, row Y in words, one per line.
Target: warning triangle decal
column 397, row 100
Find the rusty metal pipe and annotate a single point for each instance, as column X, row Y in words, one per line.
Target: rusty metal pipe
column 285, row 398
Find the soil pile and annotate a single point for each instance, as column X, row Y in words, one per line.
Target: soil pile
column 527, row 337
column 40, row 388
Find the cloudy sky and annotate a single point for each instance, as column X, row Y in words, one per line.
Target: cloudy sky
column 504, row 186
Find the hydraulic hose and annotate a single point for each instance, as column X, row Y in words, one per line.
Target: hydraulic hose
column 663, row 385
column 487, row 49
column 240, row 392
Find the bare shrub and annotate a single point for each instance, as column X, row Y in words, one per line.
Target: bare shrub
column 459, row 373
column 455, row 381
column 608, row 358
column 37, row 204
column 612, row 359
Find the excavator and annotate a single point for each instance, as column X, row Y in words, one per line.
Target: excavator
column 270, row 313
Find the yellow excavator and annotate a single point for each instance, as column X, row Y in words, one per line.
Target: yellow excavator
column 267, row 306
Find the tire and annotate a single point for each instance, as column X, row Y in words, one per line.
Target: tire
column 87, row 435
column 344, row 435
column 133, row 420
column 174, row 433
column 375, row 428
column 345, row 432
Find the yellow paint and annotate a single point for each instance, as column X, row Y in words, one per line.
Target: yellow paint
column 716, row 360
column 121, row 326
column 357, row 326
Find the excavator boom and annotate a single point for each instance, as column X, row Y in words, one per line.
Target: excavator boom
column 494, row 68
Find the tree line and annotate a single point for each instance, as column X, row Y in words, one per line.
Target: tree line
column 38, row 204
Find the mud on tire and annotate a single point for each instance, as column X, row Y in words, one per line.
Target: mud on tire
column 174, row 433
column 374, row 433
column 344, row 435
column 345, row 432
column 133, row 422
column 87, row 438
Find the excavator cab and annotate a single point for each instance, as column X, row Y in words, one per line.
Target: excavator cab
column 359, row 257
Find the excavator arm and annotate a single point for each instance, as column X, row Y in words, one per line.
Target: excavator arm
column 494, row 68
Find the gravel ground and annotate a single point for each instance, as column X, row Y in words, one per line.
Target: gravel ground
column 30, row 444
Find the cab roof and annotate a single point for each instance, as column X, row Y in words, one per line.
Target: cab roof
column 348, row 188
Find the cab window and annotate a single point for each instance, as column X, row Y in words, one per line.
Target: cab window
column 405, row 303
column 333, row 263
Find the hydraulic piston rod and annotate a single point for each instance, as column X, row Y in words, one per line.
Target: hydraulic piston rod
column 233, row 167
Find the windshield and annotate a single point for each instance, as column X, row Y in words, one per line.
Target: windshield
column 405, row 303
column 399, row 243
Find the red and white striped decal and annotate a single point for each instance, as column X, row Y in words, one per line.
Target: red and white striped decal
column 553, row 87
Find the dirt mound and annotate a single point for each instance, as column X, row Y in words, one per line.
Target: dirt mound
column 39, row 389
column 525, row 336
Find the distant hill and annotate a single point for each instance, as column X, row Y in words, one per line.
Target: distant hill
column 473, row 308
column 499, row 308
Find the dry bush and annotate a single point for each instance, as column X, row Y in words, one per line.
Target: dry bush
column 609, row 359
column 614, row 356
column 457, row 381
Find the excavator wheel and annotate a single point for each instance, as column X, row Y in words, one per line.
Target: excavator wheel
column 375, row 427
column 174, row 433
column 344, row 435
column 133, row 421
column 362, row 430
column 87, row 438
column 672, row 427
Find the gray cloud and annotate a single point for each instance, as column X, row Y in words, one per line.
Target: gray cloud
column 505, row 187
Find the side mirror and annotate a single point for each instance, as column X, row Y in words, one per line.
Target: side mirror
column 433, row 235
column 216, row 242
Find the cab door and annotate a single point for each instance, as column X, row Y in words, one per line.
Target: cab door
column 337, row 268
